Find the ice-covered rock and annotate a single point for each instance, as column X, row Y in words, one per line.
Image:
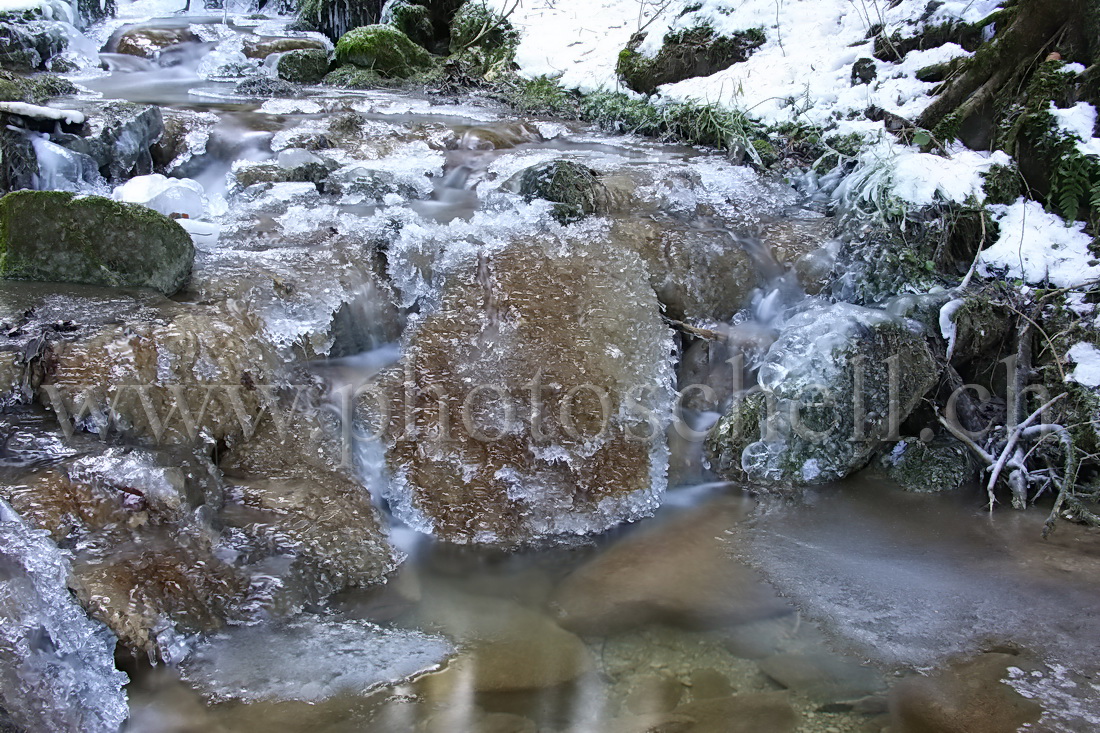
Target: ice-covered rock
column 61, row 169
column 176, row 378
column 331, row 657
column 174, row 197
column 532, row 403
column 120, row 137
column 57, row 666
column 837, row 382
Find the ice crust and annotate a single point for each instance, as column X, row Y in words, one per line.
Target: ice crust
column 57, row 666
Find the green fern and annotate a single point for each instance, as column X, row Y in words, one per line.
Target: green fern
column 1070, row 188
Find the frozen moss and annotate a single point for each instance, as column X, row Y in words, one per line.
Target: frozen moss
column 575, row 189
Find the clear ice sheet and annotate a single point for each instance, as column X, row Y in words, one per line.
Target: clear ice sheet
column 310, row 659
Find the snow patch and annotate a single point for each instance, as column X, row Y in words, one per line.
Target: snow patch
column 1037, row 247
column 1087, row 358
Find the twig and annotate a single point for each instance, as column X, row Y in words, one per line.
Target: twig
column 1010, row 446
column 966, row 440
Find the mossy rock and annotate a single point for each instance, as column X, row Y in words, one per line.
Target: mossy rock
column 833, row 385
column 304, row 66
column 688, row 53
column 262, row 86
column 941, row 465
column 350, row 76
column 575, row 189
column 383, row 49
column 55, row 236
column 33, row 89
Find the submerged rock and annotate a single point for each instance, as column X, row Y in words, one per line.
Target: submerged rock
column 679, row 574
column 303, row 66
column 55, row 236
column 531, row 403
column 966, row 697
column 57, row 667
column 499, row 638
column 383, row 49
column 147, row 42
column 838, row 381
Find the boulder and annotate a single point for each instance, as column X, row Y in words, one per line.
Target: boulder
column 303, row 66
column 290, row 165
column 696, row 274
column 28, row 46
column 56, row 236
column 966, row 696
column 263, row 86
column 148, row 42
column 685, row 53
column 834, row 386
column 681, row 573
column 261, row 48
column 119, row 137
column 530, row 404
column 383, row 49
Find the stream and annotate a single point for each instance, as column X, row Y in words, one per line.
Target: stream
column 699, row 607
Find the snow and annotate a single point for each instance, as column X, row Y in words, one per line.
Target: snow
column 948, row 329
column 68, row 116
column 890, row 169
column 166, row 195
column 1078, row 121
column 803, row 70
column 1087, row 358
column 1038, row 247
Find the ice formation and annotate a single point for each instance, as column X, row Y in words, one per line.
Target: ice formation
column 310, row 659
column 57, row 667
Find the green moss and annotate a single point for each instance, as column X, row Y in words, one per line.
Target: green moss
column 414, row 21
column 307, row 66
column 383, row 49
column 56, row 236
column 742, row 424
column 575, row 189
column 1002, row 184
column 942, row 465
column 34, row 89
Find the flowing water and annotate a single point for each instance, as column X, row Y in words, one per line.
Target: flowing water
column 721, row 612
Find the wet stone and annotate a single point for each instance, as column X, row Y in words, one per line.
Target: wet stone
column 147, row 42
column 822, row 677
column 679, row 573
column 744, row 713
column 964, row 697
